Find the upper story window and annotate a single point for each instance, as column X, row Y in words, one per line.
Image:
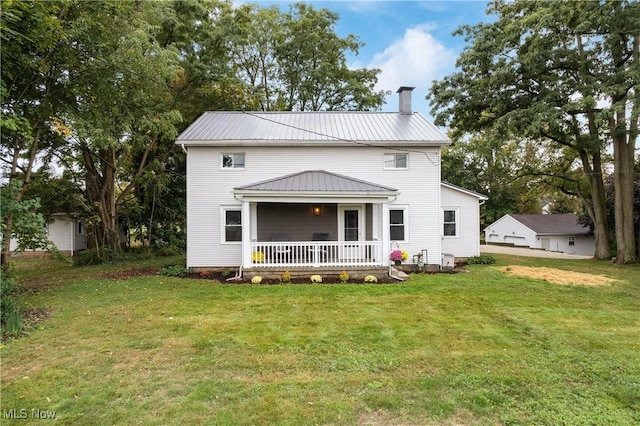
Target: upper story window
column 233, row 161
column 396, row 161
column 450, row 223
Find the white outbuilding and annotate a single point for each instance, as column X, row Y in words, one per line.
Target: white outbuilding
column 553, row 232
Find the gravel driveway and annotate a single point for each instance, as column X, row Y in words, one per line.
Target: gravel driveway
column 523, row 251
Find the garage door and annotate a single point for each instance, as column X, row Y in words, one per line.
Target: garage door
column 516, row 241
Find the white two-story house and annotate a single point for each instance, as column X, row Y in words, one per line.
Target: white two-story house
column 320, row 189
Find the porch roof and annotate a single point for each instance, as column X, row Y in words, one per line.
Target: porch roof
column 316, row 182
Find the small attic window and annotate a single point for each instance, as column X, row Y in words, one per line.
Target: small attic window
column 233, row 161
column 396, row 161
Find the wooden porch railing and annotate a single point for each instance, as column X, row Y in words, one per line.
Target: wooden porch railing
column 317, row 253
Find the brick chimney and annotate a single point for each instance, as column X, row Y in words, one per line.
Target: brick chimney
column 405, row 99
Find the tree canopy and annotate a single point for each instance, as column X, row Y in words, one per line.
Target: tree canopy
column 104, row 94
column 563, row 72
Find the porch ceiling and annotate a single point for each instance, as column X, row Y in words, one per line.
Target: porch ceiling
column 318, row 183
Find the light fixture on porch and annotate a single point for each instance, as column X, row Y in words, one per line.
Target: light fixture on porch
column 317, row 210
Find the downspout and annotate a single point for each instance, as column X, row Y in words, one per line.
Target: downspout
column 183, row 148
column 73, row 237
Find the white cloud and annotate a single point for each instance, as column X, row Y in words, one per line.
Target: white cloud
column 415, row 60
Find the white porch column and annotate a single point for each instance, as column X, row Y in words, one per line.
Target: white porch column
column 246, row 233
column 386, row 238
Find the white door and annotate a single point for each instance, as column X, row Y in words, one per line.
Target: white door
column 546, row 243
column 351, row 223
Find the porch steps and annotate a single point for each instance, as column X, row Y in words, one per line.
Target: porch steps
column 396, row 274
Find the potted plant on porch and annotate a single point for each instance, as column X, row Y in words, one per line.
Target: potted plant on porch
column 398, row 256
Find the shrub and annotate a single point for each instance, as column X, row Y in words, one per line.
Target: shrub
column 370, row 279
column 316, row 279
column 93, row 257
column 10, row 312
column 483, row 259
column 174, row 271
column 256, row 280
column 344, row 277
column 167, row 251
column 286, row 277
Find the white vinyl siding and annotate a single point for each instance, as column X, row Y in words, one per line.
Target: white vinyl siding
column 68, row 235
column 467, row 243
column 209, row 188
column 510, row 231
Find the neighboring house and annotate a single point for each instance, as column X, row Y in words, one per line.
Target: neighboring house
column 69, row 235
column 332, row 189
column 553, row 232
column 461, row 220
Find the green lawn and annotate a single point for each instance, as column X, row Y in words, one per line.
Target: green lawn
column 472, row 348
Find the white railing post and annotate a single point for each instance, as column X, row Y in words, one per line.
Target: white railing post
column 246, row 233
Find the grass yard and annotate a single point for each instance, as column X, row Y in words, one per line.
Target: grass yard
column 479, row 348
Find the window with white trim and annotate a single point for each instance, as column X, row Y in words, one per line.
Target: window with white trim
column 398, row 224
column 233, row 160
column 232, row 223
column 572, row 241
column 396, row 161
column 450, row 222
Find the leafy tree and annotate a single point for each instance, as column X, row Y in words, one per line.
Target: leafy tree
column 31, row 95
column 120, row 77
column 296, row 61
column 113, row 82
column 28, row 225
column 513, row 175
column 565, row 72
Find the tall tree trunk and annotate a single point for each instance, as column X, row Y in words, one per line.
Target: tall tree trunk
column 598, row 210
column 623, row 157
column 601, row 231
column 101, row 189
column 623, row 174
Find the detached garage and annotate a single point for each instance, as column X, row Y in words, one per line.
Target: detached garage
column 553, row 232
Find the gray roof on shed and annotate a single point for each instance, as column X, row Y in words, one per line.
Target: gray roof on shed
column 312, row 128
column 559, row 224
column 316, row 181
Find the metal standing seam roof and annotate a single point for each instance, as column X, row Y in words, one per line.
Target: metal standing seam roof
column 316, row 181
column 559, row 224
column 221, row 128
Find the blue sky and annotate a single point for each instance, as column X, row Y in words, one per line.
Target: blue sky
column 410, row 41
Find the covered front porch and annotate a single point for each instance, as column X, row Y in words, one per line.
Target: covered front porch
column 325, row 235
column 294, row 222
